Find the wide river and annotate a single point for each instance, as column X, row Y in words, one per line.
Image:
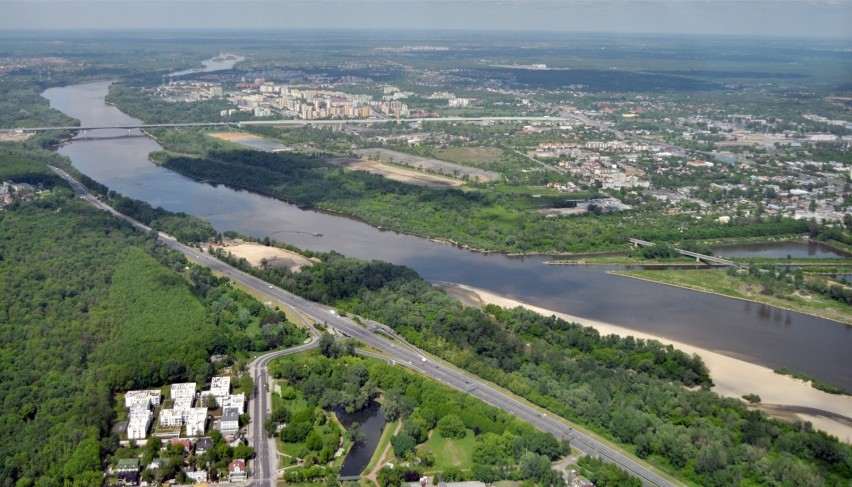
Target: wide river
column 753, row 332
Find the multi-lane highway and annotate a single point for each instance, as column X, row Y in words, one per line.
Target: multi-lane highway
column 396, row 350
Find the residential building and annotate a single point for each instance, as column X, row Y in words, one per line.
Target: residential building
column 230, row 422
column 203, row 445
column 151, row 396
column 197, row 476
column 220, row 386
column 170, row 418
column 138, row 423
column 127, row 470
column 186, row 389
column 234, row 400
column 196, row 421
column 237, row 471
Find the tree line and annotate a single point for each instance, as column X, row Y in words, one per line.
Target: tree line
column 635, row 392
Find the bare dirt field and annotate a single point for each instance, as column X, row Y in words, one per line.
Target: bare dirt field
column 252, row 141
column 470, row 155
column 396, row 173
column 232, row 136
column 14, row 137
column 255, row 253
column 430, row 165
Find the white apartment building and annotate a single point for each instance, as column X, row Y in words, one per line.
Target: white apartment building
column 151, row 396
column 139, row 421
column 235, row 401
column 196, row 421
column 186, row 389
column 220, row 386
column 230, row 422
column 170, row 418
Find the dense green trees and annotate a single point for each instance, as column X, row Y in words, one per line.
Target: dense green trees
column 478, row 218
column 450, row 413
column 90, row 307
column 627, row 389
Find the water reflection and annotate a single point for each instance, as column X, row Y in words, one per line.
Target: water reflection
column 371, row 423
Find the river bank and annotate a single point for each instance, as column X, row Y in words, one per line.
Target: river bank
column 782, row 397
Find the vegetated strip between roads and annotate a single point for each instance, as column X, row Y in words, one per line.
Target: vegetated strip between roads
column 407, row 355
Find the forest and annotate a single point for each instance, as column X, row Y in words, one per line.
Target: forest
column 90, row 307
column 650, row 398
column 475, row 218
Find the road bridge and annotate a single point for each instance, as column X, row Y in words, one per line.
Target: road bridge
column 283, row 123
column 698, row 257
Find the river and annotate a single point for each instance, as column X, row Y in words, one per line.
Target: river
column 756, row 333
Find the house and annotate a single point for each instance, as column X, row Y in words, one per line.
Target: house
column 186, row 444
column 127, row 470
column 158, row 463
column 197, row 476
column 203, row 446
column 230, row 422
column 237, row 471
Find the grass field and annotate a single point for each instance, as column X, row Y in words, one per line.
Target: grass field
column 719, row 282
column 470, row 155
column 451, row 453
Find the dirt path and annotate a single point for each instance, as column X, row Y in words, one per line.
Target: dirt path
column 372, row 476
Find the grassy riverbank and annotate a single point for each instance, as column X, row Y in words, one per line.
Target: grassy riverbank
column 717, row 281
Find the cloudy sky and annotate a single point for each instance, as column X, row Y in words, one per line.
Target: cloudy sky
column 808, row 18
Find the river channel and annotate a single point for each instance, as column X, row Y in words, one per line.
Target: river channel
column 756, row 333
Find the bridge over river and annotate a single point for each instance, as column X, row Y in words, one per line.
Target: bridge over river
column 698, row 257
column 275, row 123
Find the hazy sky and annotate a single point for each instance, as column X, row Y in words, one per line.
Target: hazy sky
column 810, row 18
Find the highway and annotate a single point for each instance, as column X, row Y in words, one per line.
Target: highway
column 396, row 350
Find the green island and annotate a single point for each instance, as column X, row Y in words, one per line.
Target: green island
column 799, row 290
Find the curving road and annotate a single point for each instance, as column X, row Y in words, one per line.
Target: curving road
column 396, row 350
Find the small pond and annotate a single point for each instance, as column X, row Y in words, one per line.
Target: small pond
column 371, row 423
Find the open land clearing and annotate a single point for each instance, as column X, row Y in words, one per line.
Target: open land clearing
column 395, row 173
column 782, row 396
column 255, row 253
column 252, row 141
column 430, row 165
column 15, row 136
column 470, row 155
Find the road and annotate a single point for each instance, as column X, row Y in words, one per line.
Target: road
column 396, row 350
column 294, row 122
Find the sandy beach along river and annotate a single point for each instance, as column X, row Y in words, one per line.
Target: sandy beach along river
column 782, row 396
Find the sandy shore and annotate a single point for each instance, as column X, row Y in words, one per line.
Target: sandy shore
column 782, row 396
column 255, row 253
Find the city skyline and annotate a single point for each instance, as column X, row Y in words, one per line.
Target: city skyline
column 774, row 18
